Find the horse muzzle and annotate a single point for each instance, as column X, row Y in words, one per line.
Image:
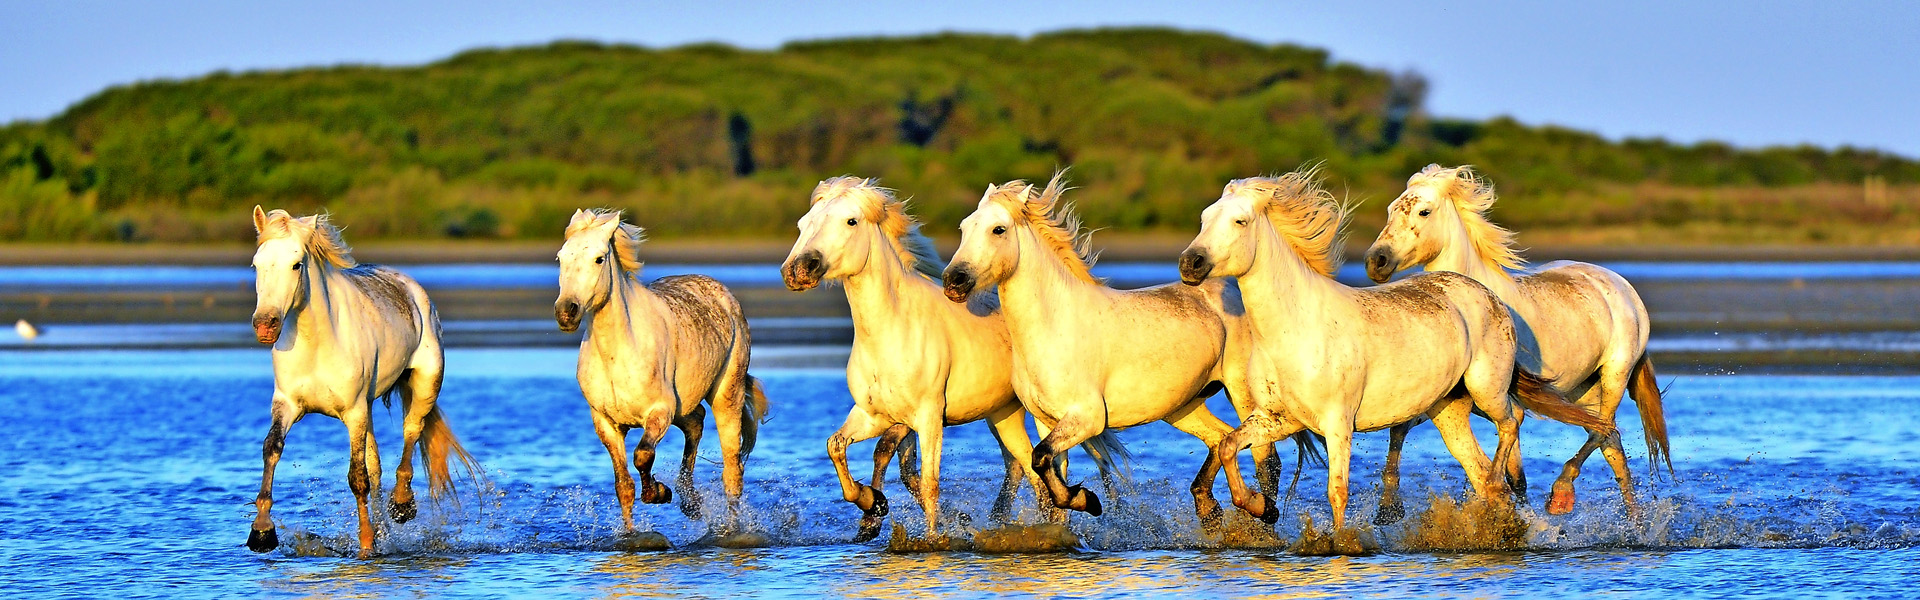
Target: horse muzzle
column 958, row 284
column 1194, row 267
column 266, row 328
column 566, row 313
column 803, row 272
column 1381, row 265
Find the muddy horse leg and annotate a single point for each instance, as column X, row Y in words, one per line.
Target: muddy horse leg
column 1392, row 510
column 358, row 479
column 691, row 426
column 859, row 426
column 418, row 392
column 1259, row 428
column 262, row 537
column 614, row 437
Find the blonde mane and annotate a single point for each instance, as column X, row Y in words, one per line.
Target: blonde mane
column 626, row 240
column 1052, row 220
column 1472, row 196
column 890, row 213
column 322, row 237
column 1307, row 216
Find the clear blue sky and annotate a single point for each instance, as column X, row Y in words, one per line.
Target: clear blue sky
column 1752, row 73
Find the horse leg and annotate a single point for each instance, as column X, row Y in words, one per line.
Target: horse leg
column 356, row 420
column 262, row 537
column 652, row 429
column 1066, row 434
column 1391, row 509
column 418, row 391
column 1265, row 463
column 1262, row 427
column 932, row 432
column 691, row 426
column 883, row 451
column 1604, row 392
column 1197, row 421
column 860, row 426
column 1010, row 430
column 1339, row 460
column 1617, row 458
column 614, row 437
column 1453, row 418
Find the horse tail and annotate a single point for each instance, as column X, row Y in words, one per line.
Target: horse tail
column 1645, row 391
column 1312, row 450
column 1112, row 456
column 753, row 412
column 1537, row 394
column 439, row 447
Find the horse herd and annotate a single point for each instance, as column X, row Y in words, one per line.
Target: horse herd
column 1017, row 325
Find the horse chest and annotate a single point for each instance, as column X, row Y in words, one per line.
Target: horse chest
column 623, row 390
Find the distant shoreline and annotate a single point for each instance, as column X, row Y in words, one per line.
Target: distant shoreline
column 1112, row 246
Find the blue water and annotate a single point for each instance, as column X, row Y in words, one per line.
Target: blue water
column 519, row 275
column 131, row 474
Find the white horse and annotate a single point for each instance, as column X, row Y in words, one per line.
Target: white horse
column 343, row 335
column 919, row 363
column 1338, row 360
column 1581, row 325
column 1088, row 358
column 651, row 353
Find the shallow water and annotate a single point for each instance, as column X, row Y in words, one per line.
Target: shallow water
column 131, row 473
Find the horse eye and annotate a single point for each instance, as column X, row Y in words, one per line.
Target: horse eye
column 599, row 259
column 1426, row 212
column 852, row 222
column 296, row 266
column 1000, row 230
column 1240, row 222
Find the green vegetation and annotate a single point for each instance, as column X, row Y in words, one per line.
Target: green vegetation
column 712, row 140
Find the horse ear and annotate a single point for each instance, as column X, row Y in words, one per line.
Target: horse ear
column 259, row 219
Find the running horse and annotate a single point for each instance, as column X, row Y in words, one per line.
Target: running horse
column 650, row 355
column 344, row 335
column 1338, row 360
column 1579, row 324
column 1088, row 358
column 919, row 363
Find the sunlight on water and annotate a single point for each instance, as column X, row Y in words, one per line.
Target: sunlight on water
column 147, row 476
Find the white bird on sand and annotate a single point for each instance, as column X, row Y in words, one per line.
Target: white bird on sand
column 26, row 330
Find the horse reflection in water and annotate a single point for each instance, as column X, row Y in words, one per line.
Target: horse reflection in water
column 1088, row 358
column 918, row 363
column 344, row 334
column 1338, row 360
column 650, row 355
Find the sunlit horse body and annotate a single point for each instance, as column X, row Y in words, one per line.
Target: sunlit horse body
column 651, row 354
column 1337, row 360
column 919, row 363
column 1088, row 358
column 1581, row 325
column 344, row 335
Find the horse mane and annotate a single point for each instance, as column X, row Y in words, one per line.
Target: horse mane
column 322, row 237
column 1052, row 220
column 626, row 240
column 1306, row 215
column 890, row 213
column 1472, row 196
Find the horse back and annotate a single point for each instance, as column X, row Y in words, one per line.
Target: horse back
column 398, row 298
column 1438, row 300
column 1581, row 313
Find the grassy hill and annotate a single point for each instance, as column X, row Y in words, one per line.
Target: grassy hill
column 708, row 140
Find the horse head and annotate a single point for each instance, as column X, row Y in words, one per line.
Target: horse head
column 599, row 250
column 290, row 248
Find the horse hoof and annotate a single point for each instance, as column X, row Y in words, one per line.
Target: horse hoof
column 691, row 509
column 262, row 540
column 1268, row 513
column 1389, row 513
column 1561, row 502
column 657, row 493
column 1089, row 503
column 404, row 511
column 869, row 527
column 878, row 506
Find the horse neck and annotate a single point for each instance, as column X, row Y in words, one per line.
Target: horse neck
column 1041, row 289
column 325, row 287
column 1459, row 254
column 1283, row 293
column 877, row 295
column 613, row 323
